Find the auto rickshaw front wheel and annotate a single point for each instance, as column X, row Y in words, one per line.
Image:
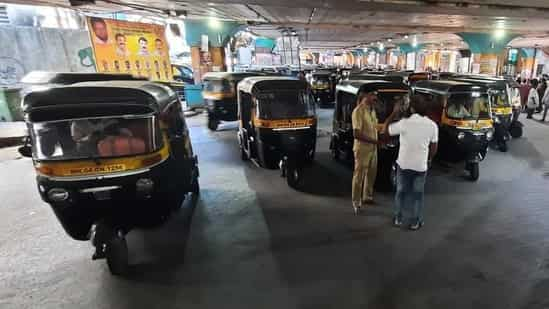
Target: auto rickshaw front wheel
column 117, row 255
column 213, row 123
column 473, row 169
column 293, row 177
column 502, row 145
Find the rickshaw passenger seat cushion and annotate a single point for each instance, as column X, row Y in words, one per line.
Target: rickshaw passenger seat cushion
column 120, row 146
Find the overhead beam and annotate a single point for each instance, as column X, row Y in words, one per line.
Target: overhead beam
column 489, row 8
column 397, row 28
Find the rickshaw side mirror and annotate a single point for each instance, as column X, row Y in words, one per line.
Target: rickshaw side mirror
column 25, row 151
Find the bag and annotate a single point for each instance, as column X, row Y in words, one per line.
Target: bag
column 113, row 146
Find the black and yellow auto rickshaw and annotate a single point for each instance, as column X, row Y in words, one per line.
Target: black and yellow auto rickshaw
column 219, row 93
column 462, row 111
column 323, row 86
column 277, row 124
column 341, row 143
column 502, row 110
column 109, row 156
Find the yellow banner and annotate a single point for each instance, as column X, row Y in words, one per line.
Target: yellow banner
column 129, row 47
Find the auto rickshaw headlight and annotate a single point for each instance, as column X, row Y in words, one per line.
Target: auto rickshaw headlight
column 58, row 195
column 489, row 135
column 144, row 186
column 461, row 135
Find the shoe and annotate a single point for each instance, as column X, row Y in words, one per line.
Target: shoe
column 369, row 201
column 397, row 221
column 415, row 226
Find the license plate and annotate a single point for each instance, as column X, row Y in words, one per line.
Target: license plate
column 102, row 195
column 100, row 169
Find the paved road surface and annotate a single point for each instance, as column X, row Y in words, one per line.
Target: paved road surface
column 251, row 242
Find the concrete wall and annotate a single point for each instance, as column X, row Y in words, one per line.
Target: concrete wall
column 26, row 49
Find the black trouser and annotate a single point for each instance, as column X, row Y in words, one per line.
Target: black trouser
column 530, row 112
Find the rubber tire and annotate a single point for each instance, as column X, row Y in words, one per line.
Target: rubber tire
column 212, row 124
column 516, row 131
column 293, row 177
column 195, row 186
column 335, row 154
column 503, row 146
column 117, row 256
column 474, row 171
column 243, row 154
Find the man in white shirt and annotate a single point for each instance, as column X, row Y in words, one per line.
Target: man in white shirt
column 418, row 145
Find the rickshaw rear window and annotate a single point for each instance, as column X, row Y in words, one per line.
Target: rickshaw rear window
column 92, row 138
column 468, row 106
column 217, row 85
column 285, row 104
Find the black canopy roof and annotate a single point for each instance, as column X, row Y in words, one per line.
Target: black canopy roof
column 97, row 98
column 447, row 86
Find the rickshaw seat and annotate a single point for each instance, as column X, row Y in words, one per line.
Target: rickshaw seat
column 120, row 146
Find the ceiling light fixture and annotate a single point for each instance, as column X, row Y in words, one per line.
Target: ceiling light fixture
column 499, row 33
column 405, row 36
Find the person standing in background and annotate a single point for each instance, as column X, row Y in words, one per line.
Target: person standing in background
column 545, row 103
column 364, row 121
column 533, row 99
column 541, row 92
column 524, row 91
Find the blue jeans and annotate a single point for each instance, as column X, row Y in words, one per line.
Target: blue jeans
column 409, row 195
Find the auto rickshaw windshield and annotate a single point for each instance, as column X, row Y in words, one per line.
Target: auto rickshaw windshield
column 499, row 98
column 95, row 137
column 321, row 79
column 285, row 104
column 468, row 106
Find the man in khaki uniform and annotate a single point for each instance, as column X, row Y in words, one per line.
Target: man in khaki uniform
column 365, row 148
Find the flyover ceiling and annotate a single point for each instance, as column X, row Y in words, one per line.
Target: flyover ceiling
column 338, row 24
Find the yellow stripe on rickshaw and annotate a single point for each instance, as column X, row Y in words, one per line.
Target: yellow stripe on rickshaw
column 216, row 95
column 88, row 167
column 502, row 110
column 284, row 123
column 468, row 124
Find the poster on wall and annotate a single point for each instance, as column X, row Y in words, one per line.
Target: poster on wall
column 129, row 47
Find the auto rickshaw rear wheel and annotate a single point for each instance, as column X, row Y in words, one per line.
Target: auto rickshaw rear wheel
column 516, row 131
column 243, row 154
column 195, row 186
column 213, row 124
column 117, row 255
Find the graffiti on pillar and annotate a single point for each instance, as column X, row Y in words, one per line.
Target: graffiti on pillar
column 11, row 71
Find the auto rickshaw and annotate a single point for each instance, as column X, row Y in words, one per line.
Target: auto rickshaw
column 462, row 111
column 277, row 124
column 219, row 92
column 341, row 143
column 323, row 86
column 502, row 110
column 109, row 156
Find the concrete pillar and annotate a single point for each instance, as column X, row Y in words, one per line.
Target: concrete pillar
column 487, row 50
column 213, row 34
